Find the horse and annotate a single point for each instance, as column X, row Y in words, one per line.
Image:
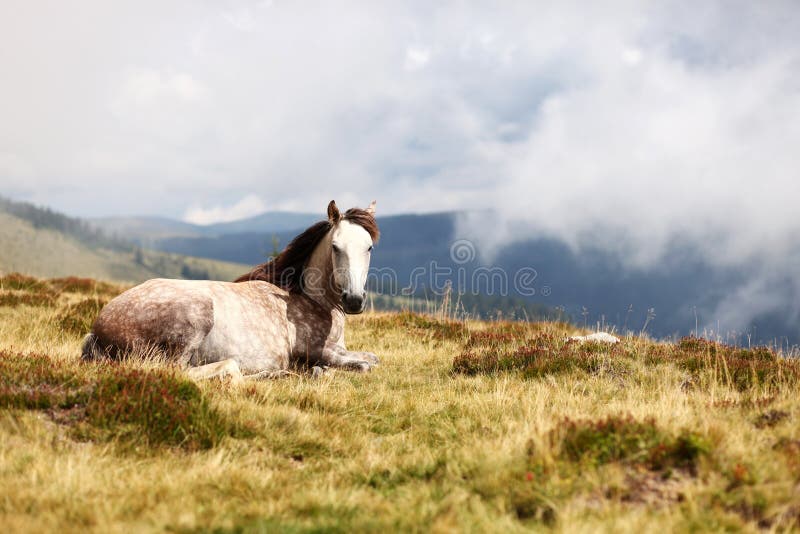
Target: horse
column 286, row 313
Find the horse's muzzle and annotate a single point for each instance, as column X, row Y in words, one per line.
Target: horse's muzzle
column 354, row 303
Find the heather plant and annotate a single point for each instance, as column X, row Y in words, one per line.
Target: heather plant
column 22, row 282
column 35, row 381
column 17, row 298
column 77, row 319
column 541, row 354
column 421, row 326
column 152, row 407
column 84, row 286
column 624, row 439
column 148, row 407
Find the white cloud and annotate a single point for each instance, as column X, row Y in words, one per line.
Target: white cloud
column 632, row 56
column 143, row 87
column 246, row 207
column 416, row 58
column 625, row 124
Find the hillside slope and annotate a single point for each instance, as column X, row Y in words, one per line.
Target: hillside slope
column 49, row 252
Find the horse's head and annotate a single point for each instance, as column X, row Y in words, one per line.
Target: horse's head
column 351, row 249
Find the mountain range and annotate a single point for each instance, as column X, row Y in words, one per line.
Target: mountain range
column 144, row 230
column 591, row 287
column 418, row 257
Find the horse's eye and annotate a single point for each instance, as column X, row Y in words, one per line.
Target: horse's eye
column 369, row 249
column 336, row 249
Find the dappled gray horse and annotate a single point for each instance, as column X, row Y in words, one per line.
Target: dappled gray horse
column 286, row 312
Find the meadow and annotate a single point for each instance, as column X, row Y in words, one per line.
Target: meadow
column 465, row 426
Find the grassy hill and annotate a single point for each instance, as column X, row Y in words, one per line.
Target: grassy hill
column 50, row 250
column 465, row 426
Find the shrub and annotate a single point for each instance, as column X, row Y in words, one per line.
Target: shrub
column 78, row 318
column 427, row 328
column 624, row 439
column 737, row 367
column 154, row 407
column 157, row 407
column 492, row 338
column 541, row 355
column 22, row 282
column 18, row 289
column 38, row 299
column 35, row 381
column 771, row 418
column 74, row 284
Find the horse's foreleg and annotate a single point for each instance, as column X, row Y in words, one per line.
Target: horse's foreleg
column 337, row 356
column 230, row 369
column 223, row 369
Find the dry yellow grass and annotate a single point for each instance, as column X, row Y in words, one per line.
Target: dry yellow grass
column 412, row 446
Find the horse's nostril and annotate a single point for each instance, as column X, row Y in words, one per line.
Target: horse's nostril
column 352, row 301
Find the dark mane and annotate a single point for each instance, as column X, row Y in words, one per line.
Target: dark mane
column 286, row 269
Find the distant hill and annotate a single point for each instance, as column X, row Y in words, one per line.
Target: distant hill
column 271, row 221
column 42, row 242
column 140, row 229
column 146, row 230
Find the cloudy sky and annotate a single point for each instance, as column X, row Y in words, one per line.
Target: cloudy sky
column 631, row 123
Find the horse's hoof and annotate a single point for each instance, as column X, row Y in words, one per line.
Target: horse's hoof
column 372, row 358
column 361, row 367
column 317, row 372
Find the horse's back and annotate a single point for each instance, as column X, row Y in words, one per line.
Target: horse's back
column 166, row 314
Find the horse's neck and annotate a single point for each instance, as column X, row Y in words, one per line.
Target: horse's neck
column 318, row 280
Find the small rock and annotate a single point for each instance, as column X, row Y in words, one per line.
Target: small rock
column 601, row 337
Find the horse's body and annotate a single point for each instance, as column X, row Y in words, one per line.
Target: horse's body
column 287, row 312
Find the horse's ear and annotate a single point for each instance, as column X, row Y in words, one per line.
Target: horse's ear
column 333, row 212
column 371, row 208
